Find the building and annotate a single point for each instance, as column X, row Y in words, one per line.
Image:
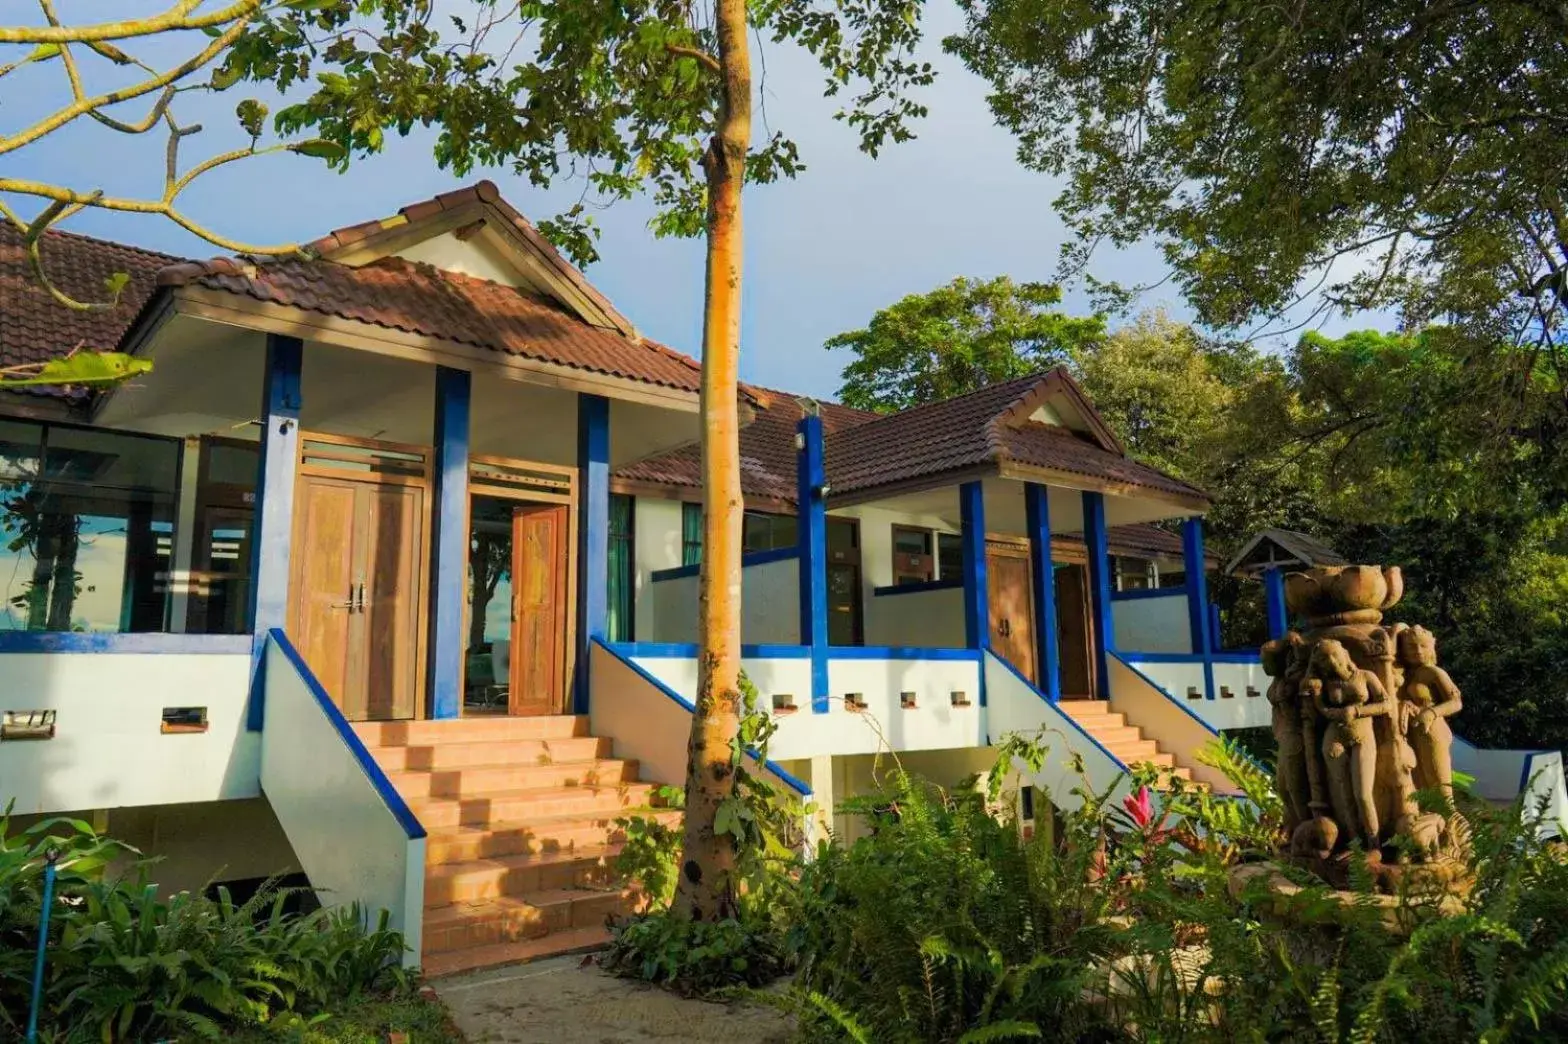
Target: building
column 386, row 572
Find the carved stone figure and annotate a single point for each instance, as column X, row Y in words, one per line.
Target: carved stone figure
column 1427, row 699
column 1360, row 714
column 1285, row 661
column 1348, row 698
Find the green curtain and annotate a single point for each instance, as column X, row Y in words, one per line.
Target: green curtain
column 618, row 622
column 691, row 534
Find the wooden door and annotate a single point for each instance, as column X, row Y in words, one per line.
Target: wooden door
column 391, row 539
column 1012, row 609
column 321, row 589
column 1073, row 632
column 539, row 556
column 355, row 592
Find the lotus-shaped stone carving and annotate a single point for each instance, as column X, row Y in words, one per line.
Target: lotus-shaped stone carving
column 1344, row 594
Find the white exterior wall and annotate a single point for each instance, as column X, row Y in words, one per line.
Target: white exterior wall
column 1169, row 721
column 656, row 544
column 1152, row 624
column 109, row 750
column 1237, row 711
column 933, row 724
column 918, row 619
column 349, row 842
column 770, row 606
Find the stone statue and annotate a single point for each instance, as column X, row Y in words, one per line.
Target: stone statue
column 1285, row 660
column 1348, row 698
column 1360, row 714
column 1427, row 699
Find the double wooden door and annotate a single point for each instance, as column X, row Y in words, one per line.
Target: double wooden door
column 355, row 594
column 1013, row 618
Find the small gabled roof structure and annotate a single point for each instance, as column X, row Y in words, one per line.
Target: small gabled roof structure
column 462, row 273
column 1284, row 549
column 1034, row 428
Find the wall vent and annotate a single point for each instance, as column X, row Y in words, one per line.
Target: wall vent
column 906, row 700
column 784, row 703
column 959, row 698
column 27, row 725
column 855, row 701
column 181, row 720
column 1193, row 693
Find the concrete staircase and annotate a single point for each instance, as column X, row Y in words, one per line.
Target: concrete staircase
column 1127, row 742
column 520, row 814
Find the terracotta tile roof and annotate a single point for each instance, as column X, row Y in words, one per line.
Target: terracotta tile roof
column 1147, row 541
column 974, row 430
column 418, row 298
column 767, row 449
column 34, row 327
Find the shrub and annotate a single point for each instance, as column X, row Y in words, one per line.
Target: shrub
column 125, row 965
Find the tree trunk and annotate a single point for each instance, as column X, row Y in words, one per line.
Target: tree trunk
column 706, row 890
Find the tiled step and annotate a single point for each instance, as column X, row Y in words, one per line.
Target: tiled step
column 470, row 730
column 1096, row 722
column 521, row 805
column 1117, row 734
column 483, row 780
column 440, row 756
column 592, row 866
column 1078, row 708
column 575, row 940
column 568, row 833
column 1141, row 752
column 486, row 922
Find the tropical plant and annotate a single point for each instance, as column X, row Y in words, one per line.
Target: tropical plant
column 127, row 965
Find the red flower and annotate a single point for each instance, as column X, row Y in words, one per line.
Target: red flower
column 1140, row 807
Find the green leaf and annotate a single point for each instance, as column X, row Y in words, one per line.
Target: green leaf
column 225, row 76
column 320, row 148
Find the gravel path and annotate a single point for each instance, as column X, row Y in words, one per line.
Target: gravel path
column 561, row 1001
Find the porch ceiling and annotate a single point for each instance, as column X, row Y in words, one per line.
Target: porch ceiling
column 207, row 379
column 1004, row 507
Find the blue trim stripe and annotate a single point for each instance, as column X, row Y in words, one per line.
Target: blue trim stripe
column 1149, row 592
column 1246, row 656
column 754, row 558
column 144, row 643
column 991, row 657
column 281, row 399
column 1097, row 546
column 812, row 541
column 613, row 649
column 356, row 746
column 1042, row 578
column 593, row 529
column 449, row 560
column 688, row 650
column 1274, row 601
column 926, row 585
column 896, row 652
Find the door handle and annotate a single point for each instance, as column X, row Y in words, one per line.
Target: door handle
column 1005, row 628
column 349, row 605
column 359, row 597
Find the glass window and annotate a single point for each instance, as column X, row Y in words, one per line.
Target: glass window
column 225, row 520
column 623, row 581
column 949, row 556
column 1172, row 577
column 691, row 533
column 912, row 559
column 1134, row 574
column 86, row 528
column 764, row 532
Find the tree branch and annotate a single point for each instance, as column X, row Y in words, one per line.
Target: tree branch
column 174, row 18
column 702, row 57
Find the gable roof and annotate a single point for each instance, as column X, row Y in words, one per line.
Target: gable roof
column 1283, row 547
column 419, row 298
column 767, row 450
column 34, row 327
column 989, row 428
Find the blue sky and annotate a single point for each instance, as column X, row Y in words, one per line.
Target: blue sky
column 823, row 252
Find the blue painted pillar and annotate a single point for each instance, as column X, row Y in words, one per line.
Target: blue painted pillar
column 1097, row 542
column 274, row 518
column 977, row 595
column 812, row 537
column 593, row 529
column 1037, row 512
column 449, row 560
column 1198, row 598
column 1274, row 601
